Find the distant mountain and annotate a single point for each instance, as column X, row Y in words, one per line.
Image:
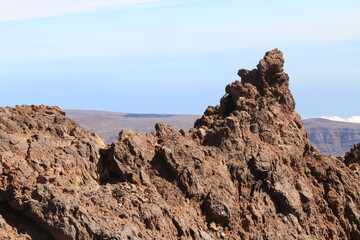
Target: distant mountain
column 109, row 124
column 330, row 137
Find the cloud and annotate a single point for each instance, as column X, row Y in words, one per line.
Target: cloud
column 24, row 9
column 353, row 119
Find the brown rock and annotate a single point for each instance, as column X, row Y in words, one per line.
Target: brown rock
column 245, row 171
column 353, row 156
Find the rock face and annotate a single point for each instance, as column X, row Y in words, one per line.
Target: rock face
column 245, row 171
column 352, row 158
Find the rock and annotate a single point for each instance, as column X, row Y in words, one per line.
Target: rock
column 216, row 211
column 353, row 156
column 287, row 195
column 245, row 171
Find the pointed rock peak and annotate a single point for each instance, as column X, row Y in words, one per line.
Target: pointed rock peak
column 261, row 90
column 269, row 73
column 261, row 103
column 273, row 62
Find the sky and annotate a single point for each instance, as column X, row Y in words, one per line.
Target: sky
column 175, row 56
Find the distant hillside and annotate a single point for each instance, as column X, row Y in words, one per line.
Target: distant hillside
column 330, row 137
column 109, row 124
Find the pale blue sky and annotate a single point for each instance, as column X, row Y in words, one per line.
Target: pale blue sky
column 169, row 56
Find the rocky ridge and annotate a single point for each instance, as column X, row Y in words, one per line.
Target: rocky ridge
column 245, row 171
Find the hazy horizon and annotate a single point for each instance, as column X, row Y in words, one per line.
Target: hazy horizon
column 175, row 57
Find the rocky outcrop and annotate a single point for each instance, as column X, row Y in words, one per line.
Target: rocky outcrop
column 352, row 158
column 245, row 171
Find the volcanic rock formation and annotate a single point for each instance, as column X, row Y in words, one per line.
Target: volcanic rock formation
column 245, row 171
column 352, row 158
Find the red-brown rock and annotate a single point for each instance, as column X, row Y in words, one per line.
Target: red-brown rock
column 245, row 171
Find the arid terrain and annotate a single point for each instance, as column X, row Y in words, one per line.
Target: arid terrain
column 109, row 124
column 246, row 170
column 330, row 137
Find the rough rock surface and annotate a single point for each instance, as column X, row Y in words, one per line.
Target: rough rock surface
column 245, row 171
column 352, row 158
